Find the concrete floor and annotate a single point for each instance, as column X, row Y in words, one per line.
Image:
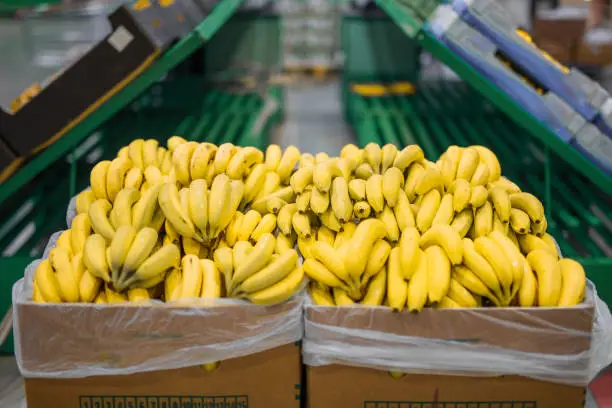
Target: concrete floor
column 313, row 123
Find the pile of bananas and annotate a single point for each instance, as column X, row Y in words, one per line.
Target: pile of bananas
column 193, row 220
column 378, row 226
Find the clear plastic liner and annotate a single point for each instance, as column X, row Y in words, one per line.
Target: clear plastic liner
column 563, row 345
column 80, row 340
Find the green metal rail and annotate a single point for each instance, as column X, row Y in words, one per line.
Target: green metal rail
column 445, row 113
column 410, row 15
column 185, row 106
column 178, row 53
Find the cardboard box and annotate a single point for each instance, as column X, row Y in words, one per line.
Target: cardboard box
column 122, row 336
column 559, row 36
column 334, row 386
column 600, row 54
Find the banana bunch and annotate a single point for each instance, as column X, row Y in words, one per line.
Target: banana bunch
column 453, row 233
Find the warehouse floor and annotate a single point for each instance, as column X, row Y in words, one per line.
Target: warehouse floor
column 313, row 123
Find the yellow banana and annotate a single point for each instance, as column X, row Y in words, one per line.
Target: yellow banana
column 201, row 159
column 544, row 265
column 376, row 289
column 483, row 220
column 322, row 176
column 374, row 193
column 392, row 183
column 255, row 182
column 243, row 161
column 280, row 291
column 94, row 257
column 377, row 259
column 352, row 153
column 388, row 218
column 319, row 201
column 432, row 179
column 513, row 254
column 138, row 295
column 397, row 287
column 438, row 273
column 287, row 163
column 47, row 282
column 198, row 204
column 135, row 150
column 254, row 261
column 496, row 257
column 468, row 163
column 469, row 280
column 321, row 295
column 344, row 234
column 318, row 272
column 341, row 203
column 84, row 200
column 181, row 159
column 429, row 207
column 301, row 225
column 498, row 225
column 506, row 184
column 81, row 229
column 550, row 241
column 284, row 218
column 463, row 221
column 142, row 245
column 97, row 179
column 160, row 262
column 59, row 259
column 461, row 191
column 478, row 196
column 270, row 185
column 373, row 156
column 224, row 261
column 362, row 209
column 529, row 204
column 65, row 240
column 211, row 280
column 146, row 210
column 89, row 287
column 170, row 205
column 445, row 237
column 98, row 215
column 448, row 303
column 224, row 154
column 326, row 235
column 540, row 229
column 306, row 159
column 413, row 177
column 115, row 176
column 407, row 156
column 389, row 151
column 273, row 273
column 573, row 281
column 190, row 285
column 481, row 267
column 273, row 157
column 219, row 203
column 445, row 213
column 460, row 295
column 501, row 203
column 357, row 189
column 267, row 225
column 118, row 249
column 529, row 287
column 153, row 176
column 302, row 178
column 418, row 284
column 490, row 159
column 285, row 243
column 519, row 221
column 359, row 247
column 530, row 243
column 328, row 256
column 364, row 171
column 449, row 164
column 480, row 176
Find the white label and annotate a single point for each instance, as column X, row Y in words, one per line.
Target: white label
column 606, row 108
column 120, row 38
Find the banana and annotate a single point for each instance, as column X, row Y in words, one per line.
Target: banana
column 540, row 229
column 438, row 273
column 171, row 284
column 98, row 215
column 84, row 200
column 364, row 171
column 344, row 234
column 512, row 235
column 254, row 182
column 135, row 150
column 273, row 157
column 513, row 254
column 470, row 281
column 481, row 267
column 374, row 193
column 445, row 237
column 65, row 240
column 153, row 176
column 397, row 287
column 321, row 295
column 341, row 203
column 483, row 220
column 463, row 221
column 389, row 151
column 388, row 218
column 362, row 209
column 201, row 159
column 142, row 245
column 301, row 179
column 530, row 243
column 285, row 243
column 287, row 163
column 319, row 201
column 445, row 213
column 115, row 176
column 501, row 203
column 392, row 183
column 113, row 296
column 248, row 224
column 498, row 225
column 550, row 241
column 413, row 177
column 89, row 287
column 198, row 204
column 267, row 225
column 280, row 291
column 181, row 160
column 174, row 142
column 409, row 251
column 270, row 185
column 80, row 230
column 529, row 287
column 301, row 225
column 341, row 298
column 318, row 272
column 342, row 168
column 377, row 259
column 461, row 191
column 520, row 221
column 448, row 303
column 276, row 271
column 37, row 297
column 429, row 207
column 357, row 189
column 170, row 205
column 160, row 155
column 138, row 295
column 573, row 281
column 328, row 256
column 254, row 261
column 190, row 246
column 449, row 164
column 496, row 257
column 78, row 266
column 506, row 184
column 211, row 280
column 478, row 196
column 322, row 176
column 489, row 158
column 224, row 154
column 460, row 295
column 469, row 161
column 480, row 176
column 432, row 179
column 59, row 259
column 529, row 204
column 94, row 257
column 97, row 179
column 47, row 282
column 166, row 164
column 373, row 156
column 303, row 201
column 376, row 289
column 121, row 213
column 418, row 284
column 159, row 263
column 360, row 246
column 190, row 285
column 224, row 260
column 306, row 160
column 549, row 277
column 243, row 161
column 146, row 210
column 118, row 249
column 285, row 217
column 353, row 154
column 407, row 156
column 326, row 235
column 227, row 195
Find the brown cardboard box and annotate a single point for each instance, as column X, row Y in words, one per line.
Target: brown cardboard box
column 594, row 55
column 124, row 336
column 334, row 386
column 559, row 37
